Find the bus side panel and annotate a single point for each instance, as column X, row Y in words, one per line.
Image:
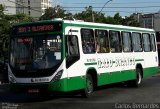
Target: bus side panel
column 118, row 76
column 151, row 64
column 150, row 71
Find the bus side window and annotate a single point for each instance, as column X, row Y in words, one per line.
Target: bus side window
column 137, row 42
column 88, row 42
column 153, row 44
column 115, row 41
column 72, row 46
column 126, row 39
column 72, row 49
column 102, row 42
column 146, row 42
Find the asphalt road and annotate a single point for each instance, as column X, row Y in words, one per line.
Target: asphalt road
column 116, row 96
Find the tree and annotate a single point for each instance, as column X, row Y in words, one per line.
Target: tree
column 130, row 21
column 6, row 21
column 56, row 12
column 90, row 16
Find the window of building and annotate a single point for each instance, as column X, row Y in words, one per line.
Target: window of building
column 88, row 42
column 115, row 41
column 146, row 42
column 137, row 42
column 102, row 42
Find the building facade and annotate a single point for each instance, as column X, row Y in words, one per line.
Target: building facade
column 9, row 6
column 148, row 20
column 33, row 8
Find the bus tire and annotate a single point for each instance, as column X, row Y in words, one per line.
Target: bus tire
column 138, row 81
column 88, row 90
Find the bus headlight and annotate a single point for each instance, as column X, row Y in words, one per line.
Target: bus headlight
column 11, row 79
column 57, row 76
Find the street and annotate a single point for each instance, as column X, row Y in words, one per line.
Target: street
column 116, row 96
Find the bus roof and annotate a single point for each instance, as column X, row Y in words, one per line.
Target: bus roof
column 107, row 26
column 80, row 23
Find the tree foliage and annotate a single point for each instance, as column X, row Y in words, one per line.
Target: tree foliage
column 6, row 21
column 88, row 15
column 56, row 12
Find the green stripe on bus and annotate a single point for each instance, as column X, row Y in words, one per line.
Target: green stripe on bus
column 137, row 60
column 95, row 63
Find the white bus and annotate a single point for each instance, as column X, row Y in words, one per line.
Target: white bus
column 65, row 55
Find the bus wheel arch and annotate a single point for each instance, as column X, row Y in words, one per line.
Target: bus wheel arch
column 90, row 82
column 139, row 75
column 93, row 73
column 139, row 66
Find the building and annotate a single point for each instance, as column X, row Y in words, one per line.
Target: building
column 33, row 8
column 151, row 20
column 9, row 5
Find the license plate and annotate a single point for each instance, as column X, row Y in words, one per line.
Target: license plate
column 33, row 90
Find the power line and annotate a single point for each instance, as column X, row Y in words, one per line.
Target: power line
column 94, row 7
column 115, row 3
column 119, row 7
column 144, row 11
column 99, row 2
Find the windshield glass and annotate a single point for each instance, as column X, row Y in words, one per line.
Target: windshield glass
column 37, row 52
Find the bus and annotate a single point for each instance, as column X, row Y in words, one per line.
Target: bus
column 71, row 55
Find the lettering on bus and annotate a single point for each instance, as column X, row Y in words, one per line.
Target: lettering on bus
column 38, row 28
column 117, row 62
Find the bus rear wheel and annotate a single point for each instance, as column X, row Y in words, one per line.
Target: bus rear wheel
column 89, row 87
column 138, row 81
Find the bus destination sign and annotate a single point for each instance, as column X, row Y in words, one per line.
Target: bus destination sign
column 37, row 28
column 40, row 28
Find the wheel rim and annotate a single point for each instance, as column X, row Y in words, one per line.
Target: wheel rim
column 139, row 77
column 89, row 87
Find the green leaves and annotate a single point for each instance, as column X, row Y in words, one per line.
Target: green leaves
column 56, row 12
column 6, row 21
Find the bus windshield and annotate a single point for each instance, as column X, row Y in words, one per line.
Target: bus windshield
column 36, row 52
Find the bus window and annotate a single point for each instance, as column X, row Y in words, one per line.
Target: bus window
column 137, row 42
column 102, row 41
column 115, row 41
column 72, row 50
column 88, row 42
column 127, row 45
column 73, row 46
column 153, row 42
column 146, row 42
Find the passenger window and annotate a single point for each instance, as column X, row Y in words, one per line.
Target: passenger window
column 153, row 44
column 127, row 45
column 73, row 46
column 146, row 42
column 88, row 42
column 72, row 50
column 115, row 41
column 137, row 42
column 102, row 42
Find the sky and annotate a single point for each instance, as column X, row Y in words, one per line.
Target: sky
column 124, row 7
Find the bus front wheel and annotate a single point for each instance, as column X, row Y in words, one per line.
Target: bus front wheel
column 89, row 86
